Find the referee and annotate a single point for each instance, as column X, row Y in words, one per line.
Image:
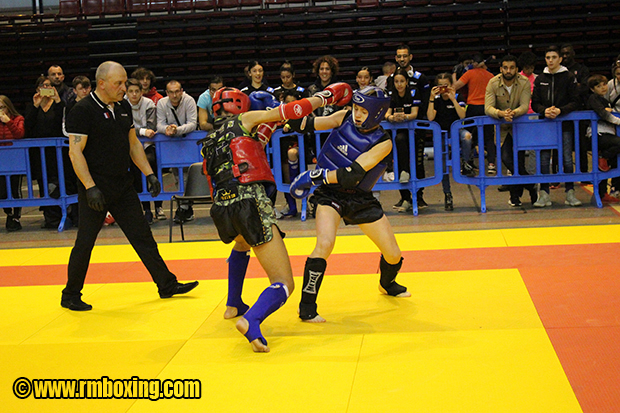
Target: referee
column 102, row 144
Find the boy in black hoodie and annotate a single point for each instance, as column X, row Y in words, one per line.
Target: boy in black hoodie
column 556, row 93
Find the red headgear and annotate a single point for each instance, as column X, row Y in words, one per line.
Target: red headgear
column 232, row 100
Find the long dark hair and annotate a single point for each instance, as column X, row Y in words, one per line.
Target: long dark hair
column 403, row 72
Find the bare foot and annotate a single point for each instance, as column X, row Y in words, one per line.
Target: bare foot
column 317, row 319
column 257, row 345
column 231, row 312
column 401, row 295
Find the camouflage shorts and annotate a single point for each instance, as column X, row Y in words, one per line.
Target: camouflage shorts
column 244, row 210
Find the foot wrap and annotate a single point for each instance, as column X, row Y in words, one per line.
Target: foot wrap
column 254, row 333
column 388, row 277
column 272, row 298
column 237, row 267
column 313, row 277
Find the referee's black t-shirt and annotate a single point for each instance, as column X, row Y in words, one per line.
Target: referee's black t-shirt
column 107, row 147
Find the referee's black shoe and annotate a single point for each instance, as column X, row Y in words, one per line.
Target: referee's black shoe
column 75, row 304
column 180, row 288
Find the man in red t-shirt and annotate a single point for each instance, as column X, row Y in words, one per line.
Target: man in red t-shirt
column 476, row 80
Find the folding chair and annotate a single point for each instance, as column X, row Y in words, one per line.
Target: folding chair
column 196, row 190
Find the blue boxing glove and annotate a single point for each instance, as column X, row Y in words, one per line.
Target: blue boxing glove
column 300, row 187
column 261, row 100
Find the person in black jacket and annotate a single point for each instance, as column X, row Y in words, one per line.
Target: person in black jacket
column 556, row 94
column 44, row 120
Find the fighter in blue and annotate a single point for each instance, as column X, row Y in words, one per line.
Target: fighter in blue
column 349, row 165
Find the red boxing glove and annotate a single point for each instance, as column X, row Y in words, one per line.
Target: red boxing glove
column 336, row 94
column 264, row 132
column 296, row 109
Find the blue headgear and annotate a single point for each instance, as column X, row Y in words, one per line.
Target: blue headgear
column 376, row 105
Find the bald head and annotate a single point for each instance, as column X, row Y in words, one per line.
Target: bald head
column 105, row 69
column 111, row 78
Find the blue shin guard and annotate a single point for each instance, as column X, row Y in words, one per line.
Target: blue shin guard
column 293, row 169
column 272, row 298
column 237, row 267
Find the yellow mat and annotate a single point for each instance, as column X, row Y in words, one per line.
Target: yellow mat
column 468, row 341
column 518, row 237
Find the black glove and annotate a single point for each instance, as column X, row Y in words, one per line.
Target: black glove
column 153, row 185
column 95, row 199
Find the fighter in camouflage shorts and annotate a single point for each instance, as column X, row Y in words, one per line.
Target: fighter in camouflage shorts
column 235, row 160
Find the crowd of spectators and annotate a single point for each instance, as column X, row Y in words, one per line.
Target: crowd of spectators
column 564, row 85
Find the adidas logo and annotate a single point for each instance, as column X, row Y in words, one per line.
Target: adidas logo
column 343, row 148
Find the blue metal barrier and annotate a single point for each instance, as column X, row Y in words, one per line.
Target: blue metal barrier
column 175, row 153
column 530, row 133
column 15, row 160
column 414, row 183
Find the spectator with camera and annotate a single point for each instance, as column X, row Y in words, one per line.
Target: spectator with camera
column 445, row 107
column 44, row 120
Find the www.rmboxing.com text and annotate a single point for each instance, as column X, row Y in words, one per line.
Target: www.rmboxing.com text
column 106, row 388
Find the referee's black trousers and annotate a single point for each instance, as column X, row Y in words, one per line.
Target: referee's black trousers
column 126, row 209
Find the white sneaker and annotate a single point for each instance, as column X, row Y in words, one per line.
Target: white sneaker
column 159, row 213
column 404, row 177
column 388, row 177
column 543, row 200
column 571, row 199
column 405, row 207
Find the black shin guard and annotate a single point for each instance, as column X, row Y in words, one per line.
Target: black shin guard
column 388, row 277
column 313, row 277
